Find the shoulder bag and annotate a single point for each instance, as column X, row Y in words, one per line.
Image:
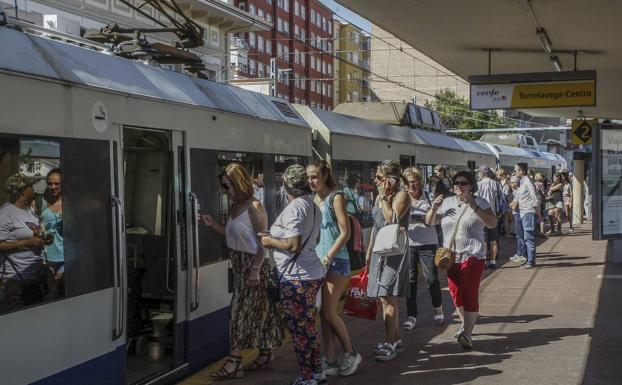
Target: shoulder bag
column 445, row 257
column 390, row 239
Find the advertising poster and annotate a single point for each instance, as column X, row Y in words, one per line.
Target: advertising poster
column 611, row 181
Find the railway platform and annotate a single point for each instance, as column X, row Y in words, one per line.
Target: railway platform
column 556, row 324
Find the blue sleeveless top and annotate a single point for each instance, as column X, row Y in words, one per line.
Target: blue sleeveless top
column 329, row 231
column 53, row 223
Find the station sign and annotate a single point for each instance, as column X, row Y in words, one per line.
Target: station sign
column 535, row 90
column 582, row 130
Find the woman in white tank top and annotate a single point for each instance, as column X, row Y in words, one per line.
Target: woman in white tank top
column 255, row 322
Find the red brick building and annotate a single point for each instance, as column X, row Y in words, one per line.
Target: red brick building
column 301, row 40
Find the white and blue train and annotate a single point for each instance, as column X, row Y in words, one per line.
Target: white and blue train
column 140, row 148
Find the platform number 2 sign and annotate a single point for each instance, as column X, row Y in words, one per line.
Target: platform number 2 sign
column 582, row 131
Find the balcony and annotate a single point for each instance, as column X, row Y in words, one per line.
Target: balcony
column 224, row 15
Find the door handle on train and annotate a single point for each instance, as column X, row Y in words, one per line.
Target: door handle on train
column 119, row 269
column 195, row 249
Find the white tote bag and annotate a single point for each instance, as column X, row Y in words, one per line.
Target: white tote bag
column 390, row 240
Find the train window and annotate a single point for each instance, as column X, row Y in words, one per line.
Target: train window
column 357, row 181
column 281, row 162
column 55, row 219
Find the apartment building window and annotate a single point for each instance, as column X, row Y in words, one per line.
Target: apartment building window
column 313, row 16
column 303, row 34
column 242, row 5
column 261, row 13
column 303, row 84
column 251, row 9
column 252, row 68
column 297, row 8
column 279, row 24
column 260, row 43
column 251, row 39
column 356, row 38
column 318, row 20
column 297, row 31
column 296, row 56
column 279, row 49
column 324, row 27
column 269, row 2
column 355, row 58
column 330, row 89
column 269, row 46
column 312, row 59
column 349, row 76
column 280, row 4
column 302, row 58
column 330, row 47
column 330, row 27
column 318, row 86
column 286, row 5
column 269, row 17
column 312, row 85
column 329, row 70
column 313, row 39
column 303, row 13
column 286, row 27
column 324, row 66
column 350, row 57
column 285, row 53
column 261, row 70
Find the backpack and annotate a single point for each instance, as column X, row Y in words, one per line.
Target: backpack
column 501, row 203
column 355, row 243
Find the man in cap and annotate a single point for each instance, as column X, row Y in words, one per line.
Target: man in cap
column 490, row 189
column 20, row 246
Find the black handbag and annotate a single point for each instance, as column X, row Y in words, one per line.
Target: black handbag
column 274, row 286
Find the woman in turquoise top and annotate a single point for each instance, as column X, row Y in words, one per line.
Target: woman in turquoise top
column 334, row 234
column 52, row 225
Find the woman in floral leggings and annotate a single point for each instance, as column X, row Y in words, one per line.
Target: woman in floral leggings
column 293, row 238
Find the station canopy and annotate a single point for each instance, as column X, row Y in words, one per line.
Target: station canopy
column 458, row 35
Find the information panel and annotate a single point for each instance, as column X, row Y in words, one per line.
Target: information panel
column 607, row 191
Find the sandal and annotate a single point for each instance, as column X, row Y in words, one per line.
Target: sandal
column 225, row 374
column 265, row 360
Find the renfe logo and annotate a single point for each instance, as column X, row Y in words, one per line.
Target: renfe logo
column 492, row 93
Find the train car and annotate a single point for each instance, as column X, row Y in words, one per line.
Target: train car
column 355, row 146
column 546, row 163
column 145, row 294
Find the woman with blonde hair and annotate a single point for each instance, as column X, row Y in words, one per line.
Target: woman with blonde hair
column 254, row 321
column 388, row 275
column 422, row 242
column 334, row 233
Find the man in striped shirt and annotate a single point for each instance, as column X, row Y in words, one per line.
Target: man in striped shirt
column 529, row 206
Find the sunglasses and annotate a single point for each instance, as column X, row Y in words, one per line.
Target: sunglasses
column 380, row 178
column 461, row 183
column 226, row 186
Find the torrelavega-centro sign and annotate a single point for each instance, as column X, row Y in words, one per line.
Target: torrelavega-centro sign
column 534, row 90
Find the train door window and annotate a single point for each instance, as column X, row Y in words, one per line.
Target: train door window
column 471, row 165
column 60, row 211
column 279, row 196
column 204, row 184
column 406, row 161
column 254, row 165
column 356, row 178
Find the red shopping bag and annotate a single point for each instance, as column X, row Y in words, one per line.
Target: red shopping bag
column 358, row 304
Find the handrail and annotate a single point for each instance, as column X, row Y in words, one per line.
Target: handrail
column 119, row 268
column 195, row 249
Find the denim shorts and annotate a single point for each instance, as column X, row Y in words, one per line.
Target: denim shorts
column 340, row 267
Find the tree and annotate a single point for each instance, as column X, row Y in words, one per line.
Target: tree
column 455, row 113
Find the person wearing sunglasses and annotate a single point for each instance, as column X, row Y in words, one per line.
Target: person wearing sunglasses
column 254, row 319
column 388, row 276
column 470, row 214
column 422, row 242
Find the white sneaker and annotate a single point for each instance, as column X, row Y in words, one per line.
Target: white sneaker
column 387, row 353
column 399, row 347
column 330, row 369
column 520, row 260
column 515, row 257
column 439, row 318
column 410, row 323
column 350, row 363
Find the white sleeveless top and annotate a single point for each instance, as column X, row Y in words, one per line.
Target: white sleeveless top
column 240, row 234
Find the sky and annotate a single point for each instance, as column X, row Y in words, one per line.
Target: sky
column 348, row 15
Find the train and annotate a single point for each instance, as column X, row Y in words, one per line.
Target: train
column 145, row 297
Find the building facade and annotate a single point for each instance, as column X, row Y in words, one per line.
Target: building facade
column 353, row 54
column 402, row 69
column 300, row 40
column 218, row 19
